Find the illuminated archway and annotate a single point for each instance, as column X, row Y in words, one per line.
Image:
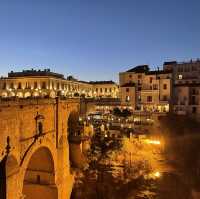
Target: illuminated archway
column 39, row 179
column 20, row 95
column 36, row 94
column 52, row 94
column 11, row 94
column 4, row 94
column 27, row 94
column 44, row 94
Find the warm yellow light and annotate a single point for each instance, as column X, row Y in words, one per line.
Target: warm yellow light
column 157, row 142
column 157, row 174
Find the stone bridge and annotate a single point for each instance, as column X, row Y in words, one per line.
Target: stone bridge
column 34, row 148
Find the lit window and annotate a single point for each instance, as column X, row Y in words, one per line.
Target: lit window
column 180, row 76
column 127, row 98
column 149, row 98
column 164, row 86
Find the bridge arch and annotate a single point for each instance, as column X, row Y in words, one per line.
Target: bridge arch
column 39, row 177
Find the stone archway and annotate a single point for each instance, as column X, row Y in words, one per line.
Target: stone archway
column 4, row 94
column 39, row 179
column 52, row 94
column 27, row 94
column 19, row 94
column 36, row 94
column 12, row 94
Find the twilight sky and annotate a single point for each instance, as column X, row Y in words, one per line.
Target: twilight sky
column 96, row 39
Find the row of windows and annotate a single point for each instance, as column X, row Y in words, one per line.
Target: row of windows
column 187, row 68
column 150, row 98
column 194, row 109
column 35, row 85
column 154, row 87
column 105, row 90
column 139, row 76
column 54, row 85
column 188, row 82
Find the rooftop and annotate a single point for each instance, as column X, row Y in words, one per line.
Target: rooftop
column 102, row 82
column 183, row 62
column 145, row 69
column 170, row 63
column 32, row 72
column 139, row 69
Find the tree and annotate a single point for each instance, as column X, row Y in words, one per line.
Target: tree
column 125, row 113
column 117, row 112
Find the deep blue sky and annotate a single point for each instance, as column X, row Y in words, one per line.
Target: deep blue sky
column 96, row 39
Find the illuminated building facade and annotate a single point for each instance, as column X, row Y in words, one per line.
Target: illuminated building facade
column 106, row 89
column 44, row 83
column 186, row 86
column 145, row 90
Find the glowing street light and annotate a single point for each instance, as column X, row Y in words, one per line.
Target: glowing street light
column 80, row 119
column 154, row 175
column 156, row 142
column 157, row 174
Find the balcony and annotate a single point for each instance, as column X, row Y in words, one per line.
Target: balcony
column 180, row 112
column 194, row 92
column 195, row 103
column 149, row 90
column 182, row 103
